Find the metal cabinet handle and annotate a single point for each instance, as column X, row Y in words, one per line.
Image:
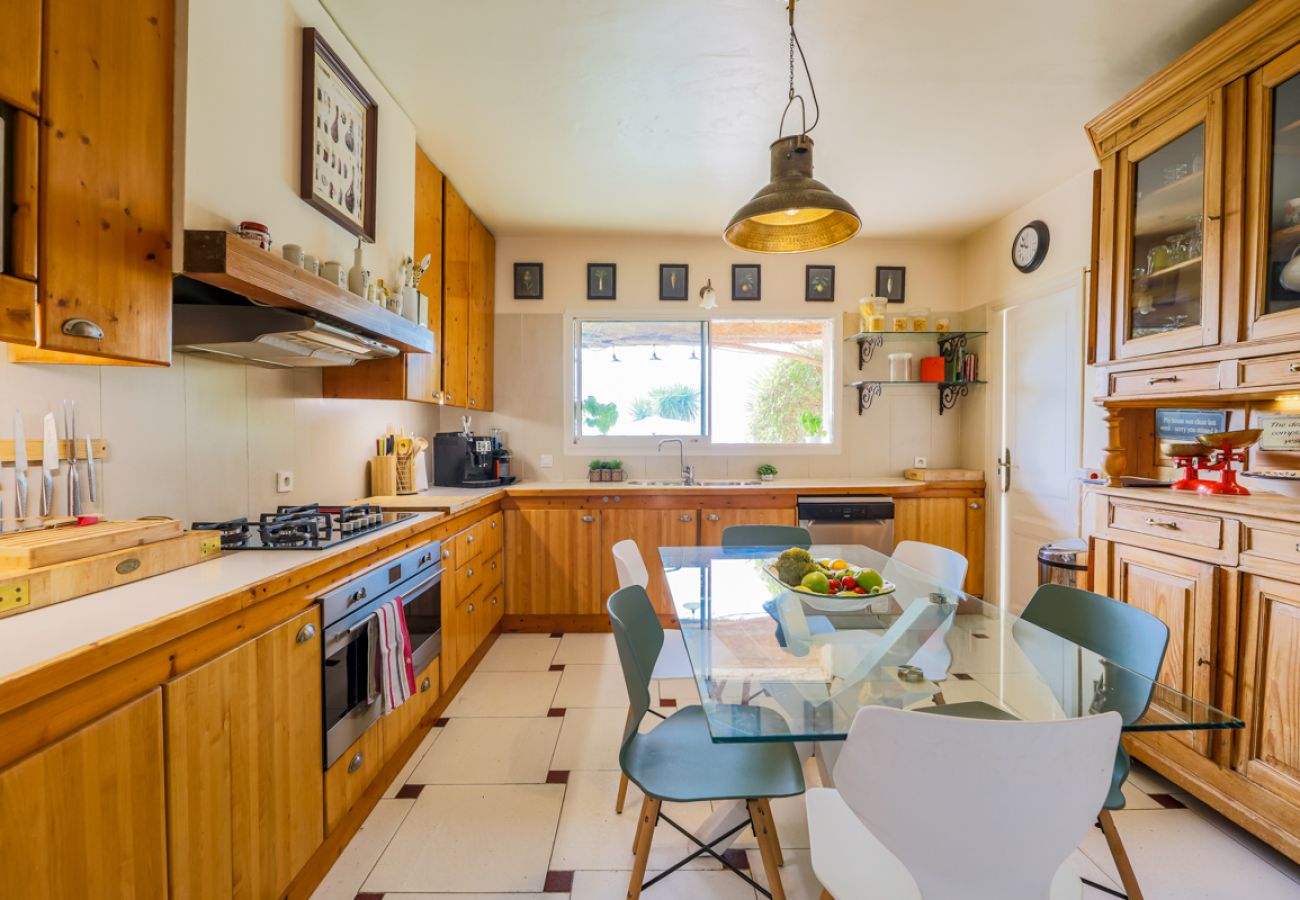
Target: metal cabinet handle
column 686, row 518
column 1162, row 523
column 1162, row 379
column 471, row 401
column 494, row 564
column 589, row 519
column 492, row 524
column 446, row 554
column 714, row 517
column 1202, row 661
column 470, row 608
column 425, row 685
column 494, row 601
column 305, row 633
column 357, row 595
column 469, row 538
column 1294, row 367
column 604, row 499
column 469, row 573
column 426, row 558
column 975, row 504
column 83, row 328
column 448, row 396
column 355, row 762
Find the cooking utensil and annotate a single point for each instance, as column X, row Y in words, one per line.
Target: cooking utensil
column 74, row 477
column 90, row 471
column 1234, row 439
column 20, row 469
column 49, row 463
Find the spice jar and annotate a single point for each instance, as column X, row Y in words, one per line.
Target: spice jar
column 900, row 367
column 921, row 319
column 900, row 321
column 872, row 311
column 941, row 324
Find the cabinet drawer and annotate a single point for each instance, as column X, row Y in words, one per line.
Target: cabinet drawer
column 1174, row 530
column 401, row 722
column 1270, row 542
column 476, row 574
column 1165, row 381
column 468, row 544
column 493, row 528
column 1269, row 370
column 351, row 774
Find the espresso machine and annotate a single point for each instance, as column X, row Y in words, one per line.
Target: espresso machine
column 464, row 459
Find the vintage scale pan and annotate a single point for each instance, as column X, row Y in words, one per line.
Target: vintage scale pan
column 1221, row 450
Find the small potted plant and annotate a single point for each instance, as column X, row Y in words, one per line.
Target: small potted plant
column 614, row 468
column 596, row 470
column 811, row 425
column 766, row 472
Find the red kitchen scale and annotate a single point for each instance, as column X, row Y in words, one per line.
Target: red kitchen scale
column 1211, row 453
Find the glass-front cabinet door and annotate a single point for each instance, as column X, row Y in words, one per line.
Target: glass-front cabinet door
column 1167, row 236
column 1273, row 193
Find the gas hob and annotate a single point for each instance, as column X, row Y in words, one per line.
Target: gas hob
column 311, row 527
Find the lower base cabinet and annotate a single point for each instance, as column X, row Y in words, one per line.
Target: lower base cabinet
column 244, row 790
column 715, row 521
column 953, row 522
column 347, row 779
column 85, row 816
column 651, row 529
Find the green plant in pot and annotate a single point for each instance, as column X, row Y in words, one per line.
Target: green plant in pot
column 810, row 423
column 766, row 472
column 596, row 470
column 615, row 469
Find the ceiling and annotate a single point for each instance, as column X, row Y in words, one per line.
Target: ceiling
column 654, row 116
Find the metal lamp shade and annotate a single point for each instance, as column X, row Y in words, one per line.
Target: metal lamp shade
column 794, row 212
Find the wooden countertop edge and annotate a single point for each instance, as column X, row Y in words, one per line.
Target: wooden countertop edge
column 42, row 679
column 704, row 490
column 1256, row 506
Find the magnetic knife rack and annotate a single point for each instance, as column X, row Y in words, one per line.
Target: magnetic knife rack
column 36, row 450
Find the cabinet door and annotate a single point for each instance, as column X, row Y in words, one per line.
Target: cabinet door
column 424, row 370
column 244, row 790
column 84, row 817
column 351, row 774
column 481, row 314
column 553, row 562
column 456, row 283
column 715, row 521
column 1167, row 234
column 651, row 529
column 106, row 174
column 1181, row 593
column 1273, row 198
column 20, row 55
column 1268, row 751
column 946, row 522
column 402, row 722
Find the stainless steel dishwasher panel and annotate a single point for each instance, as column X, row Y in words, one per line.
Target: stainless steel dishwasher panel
column 867, row 520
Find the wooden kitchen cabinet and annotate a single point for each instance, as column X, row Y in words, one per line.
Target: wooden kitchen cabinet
column 456, row 286
column 715, row 521
column 401, row 723
column 347, row 779
column 20, row 55
column 481, row 323
column 651, row 529
column 85, row 816
column 553, row 561
column 244, row 788
column 953, row 522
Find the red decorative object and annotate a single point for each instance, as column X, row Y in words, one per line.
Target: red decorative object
column 932, row 368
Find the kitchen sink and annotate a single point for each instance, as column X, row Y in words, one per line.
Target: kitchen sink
column 644, row 482
column 728, row 482
column 702, row 482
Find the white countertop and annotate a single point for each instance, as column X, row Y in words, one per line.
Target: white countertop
column 42, row 635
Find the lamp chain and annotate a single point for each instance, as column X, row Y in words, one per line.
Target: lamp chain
column 805, row 128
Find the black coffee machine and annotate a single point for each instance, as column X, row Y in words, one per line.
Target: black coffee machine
column 464, row 459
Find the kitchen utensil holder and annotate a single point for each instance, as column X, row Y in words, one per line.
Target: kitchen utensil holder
column 404, row 473
column 383, row 476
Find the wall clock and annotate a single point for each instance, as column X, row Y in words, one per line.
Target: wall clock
column 1029, row 247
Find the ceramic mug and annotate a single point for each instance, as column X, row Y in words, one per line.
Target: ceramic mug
column 1290, row 276
column 311, row 263
column 293, row 253
column 334, row 273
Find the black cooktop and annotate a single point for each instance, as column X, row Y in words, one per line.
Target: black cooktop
column 311, row 527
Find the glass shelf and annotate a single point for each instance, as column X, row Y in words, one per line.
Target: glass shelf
column 949, row 391
column 870, row 341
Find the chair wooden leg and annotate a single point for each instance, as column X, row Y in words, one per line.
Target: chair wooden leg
column 1126, row 875
column 622, row 793
column 645, row 834
column 762, row 820
column 776, row 838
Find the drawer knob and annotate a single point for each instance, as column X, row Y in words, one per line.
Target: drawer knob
column 1294, row 367
column 446, row 554
column 493, row 524
column 604, row 499
column 305, row 633
column 713, row 517
column 355, row 762
column 686, row 518
column 588, row 519
column 1162, row 379
column 494, row 601
column 1162, row 523
column 83, row 328
column 425, row 685
column 469, row 538
column 469, row 573
column 470, row 608
column 975, row 504
column 494, row 565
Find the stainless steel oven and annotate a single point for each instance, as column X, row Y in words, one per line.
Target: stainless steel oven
column 416, row 578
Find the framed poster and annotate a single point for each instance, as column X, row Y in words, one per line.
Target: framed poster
column 340, row 138
column 1186, row 424
column 1281, row 433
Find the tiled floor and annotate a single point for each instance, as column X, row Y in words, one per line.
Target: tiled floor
column 511, row 801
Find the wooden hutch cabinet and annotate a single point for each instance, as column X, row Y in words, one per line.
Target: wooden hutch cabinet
column 1197, row 304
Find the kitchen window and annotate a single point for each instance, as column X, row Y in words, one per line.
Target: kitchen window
column 730, row 383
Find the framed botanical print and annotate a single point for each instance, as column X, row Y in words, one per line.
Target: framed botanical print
column 340, row 138
column 528, row 281
column 819, row 283
column 672, row 281
column 746, row 282
column 891, row 283
column 601, row 281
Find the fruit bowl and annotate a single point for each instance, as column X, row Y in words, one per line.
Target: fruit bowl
column 844, row 601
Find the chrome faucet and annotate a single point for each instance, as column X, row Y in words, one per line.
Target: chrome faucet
column 688, row 472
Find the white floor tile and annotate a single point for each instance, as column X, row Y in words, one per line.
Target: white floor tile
column 520, row 653
column 683, row 690
column 490, row 751
column 797, row 875
column 404, row 775
column 592, row 836
column 349, row 871
column 587, row 649
column 472, row 839
column 684, row 884
column 1243, row 837
column 505, row 694
column 590, row 739
column 588, row 686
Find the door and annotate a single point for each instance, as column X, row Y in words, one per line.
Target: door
column 244, row 788
column 1182, row 594
column 1273, row 198
column 715, row 521
column 1268, row 751
column 553, row 560
column 1038, row 436
column 481, row 321
column 1168, row 218
column 651, row 529
column 456, row 285
column 84, row 817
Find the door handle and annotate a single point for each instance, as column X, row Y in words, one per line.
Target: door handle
column 425, row 685
column 305, row 633
column 1162, row 523
column 1004, row 466
column 714, row 517
column 355, row 762
column 588, row 519
column 1163, row 379
column 686, row 518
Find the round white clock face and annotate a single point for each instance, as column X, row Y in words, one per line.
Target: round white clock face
column 1026, row 247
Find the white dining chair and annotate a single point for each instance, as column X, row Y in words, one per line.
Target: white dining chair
column 673, row 662
column 943, row 567
column 913, row 817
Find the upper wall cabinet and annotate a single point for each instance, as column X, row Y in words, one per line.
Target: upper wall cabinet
column 20, row 55
column 468, row 272
column 103, row 162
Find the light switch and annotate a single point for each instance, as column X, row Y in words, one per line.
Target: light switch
column 547, row 460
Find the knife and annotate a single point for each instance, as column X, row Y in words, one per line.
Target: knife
column 49, row 464
column 20, row 469
column 74, row 477
column 90, row 471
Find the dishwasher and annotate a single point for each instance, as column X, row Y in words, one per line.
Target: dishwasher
column 865, row 520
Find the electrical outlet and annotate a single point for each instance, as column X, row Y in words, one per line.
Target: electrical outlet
column 547, row 461
column 283, row 482
column 919, row 463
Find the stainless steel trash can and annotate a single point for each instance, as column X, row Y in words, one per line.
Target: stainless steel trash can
column 1065, row 562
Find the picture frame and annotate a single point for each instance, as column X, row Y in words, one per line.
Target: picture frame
column 891, row 283
column 746, row 281
column 602, row 281
column 819, row 284
column 337, row 173
column 528, row 281
column 674, row 281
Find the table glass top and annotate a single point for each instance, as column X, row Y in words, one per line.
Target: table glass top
column 757, row 648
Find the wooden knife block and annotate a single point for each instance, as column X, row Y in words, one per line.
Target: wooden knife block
column 383, row 476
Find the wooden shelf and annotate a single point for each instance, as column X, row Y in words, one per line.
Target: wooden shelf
column 1166, row 209
column 1169, row 270
column 229, row 262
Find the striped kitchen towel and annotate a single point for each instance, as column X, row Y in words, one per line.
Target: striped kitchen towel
column 393, row 663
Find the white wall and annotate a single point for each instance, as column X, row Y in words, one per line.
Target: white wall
column 530, row 344
column 203, row 439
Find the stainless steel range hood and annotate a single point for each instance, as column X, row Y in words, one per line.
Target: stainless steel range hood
column 269, row 337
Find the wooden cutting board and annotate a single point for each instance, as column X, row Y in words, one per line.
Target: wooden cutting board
column 943, row 475
column 50, row 546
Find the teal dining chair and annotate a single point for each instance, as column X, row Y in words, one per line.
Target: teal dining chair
column 766, row 536
column 678, row 761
